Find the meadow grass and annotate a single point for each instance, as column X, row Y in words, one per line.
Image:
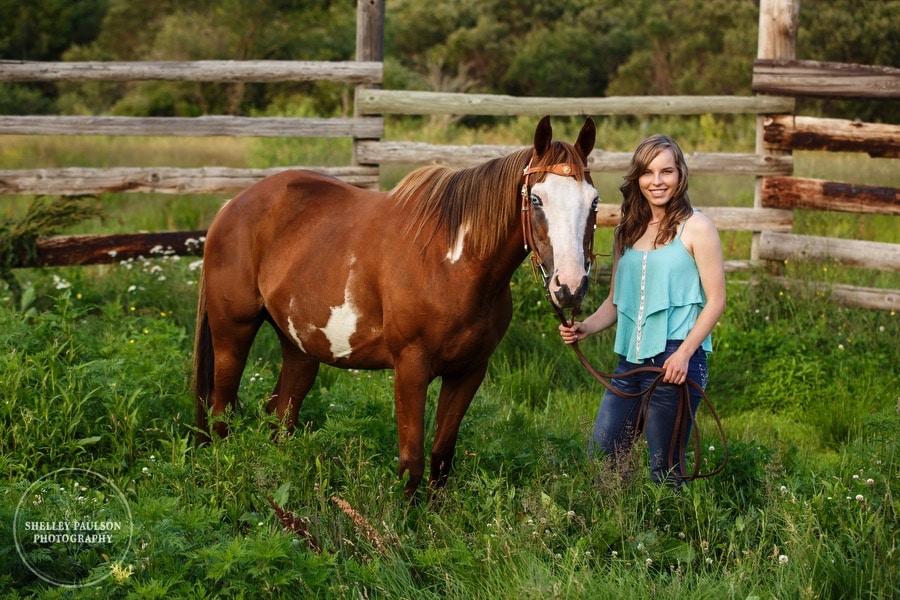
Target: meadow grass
column 94, row 373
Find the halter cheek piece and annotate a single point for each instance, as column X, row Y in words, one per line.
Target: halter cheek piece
column 537, row 263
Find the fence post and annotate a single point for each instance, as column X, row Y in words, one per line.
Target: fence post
column 778, row 23
column 369, row 48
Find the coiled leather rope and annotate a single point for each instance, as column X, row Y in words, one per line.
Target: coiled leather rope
column 684, row 416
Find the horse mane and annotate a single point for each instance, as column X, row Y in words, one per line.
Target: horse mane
column 479, row 201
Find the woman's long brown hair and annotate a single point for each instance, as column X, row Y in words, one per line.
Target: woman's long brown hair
column 636, row 212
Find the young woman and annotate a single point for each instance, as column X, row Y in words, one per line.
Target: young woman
column 667, row 293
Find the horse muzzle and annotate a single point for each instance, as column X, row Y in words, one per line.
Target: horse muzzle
column 564, row 296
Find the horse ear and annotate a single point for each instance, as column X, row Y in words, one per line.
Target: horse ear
column 586, row 138
column 543, row 136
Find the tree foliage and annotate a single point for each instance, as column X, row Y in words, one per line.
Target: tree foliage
column 851, row 31
column 520, row 47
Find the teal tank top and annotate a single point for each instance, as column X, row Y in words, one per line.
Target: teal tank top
column 658, row 297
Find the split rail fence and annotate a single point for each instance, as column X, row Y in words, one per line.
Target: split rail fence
column 777, row 79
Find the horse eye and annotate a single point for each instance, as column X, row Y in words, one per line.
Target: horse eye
column 595, row 203
column 535, row 201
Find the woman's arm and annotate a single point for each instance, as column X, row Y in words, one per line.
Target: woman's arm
column 702, row 240
column 605, row 316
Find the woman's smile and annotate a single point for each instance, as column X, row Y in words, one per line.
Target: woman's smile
column 660, row 179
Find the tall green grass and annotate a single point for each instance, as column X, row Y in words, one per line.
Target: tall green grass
column 96, row 375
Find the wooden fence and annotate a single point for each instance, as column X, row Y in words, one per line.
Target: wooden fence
column 777, row 78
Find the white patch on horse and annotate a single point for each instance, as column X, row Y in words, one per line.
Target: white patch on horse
column 292, row 329
column 342, row 323
column 456, row 251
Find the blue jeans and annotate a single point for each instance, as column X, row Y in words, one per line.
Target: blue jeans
column 614, row 427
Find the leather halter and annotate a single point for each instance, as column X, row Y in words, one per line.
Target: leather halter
column 563, row 170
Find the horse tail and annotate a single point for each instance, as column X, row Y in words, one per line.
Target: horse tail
column 203, row 361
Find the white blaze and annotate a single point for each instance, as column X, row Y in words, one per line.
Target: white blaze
column 567, row 205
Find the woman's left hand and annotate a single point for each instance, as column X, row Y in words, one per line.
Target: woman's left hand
column 676, row 367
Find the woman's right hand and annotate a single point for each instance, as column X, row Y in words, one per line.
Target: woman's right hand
column 572, row 333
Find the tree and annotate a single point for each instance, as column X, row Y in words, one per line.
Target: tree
column 42, row 30
column 851, row 31
column 687, row 47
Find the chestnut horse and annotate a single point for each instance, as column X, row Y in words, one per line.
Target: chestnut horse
column 416, row 279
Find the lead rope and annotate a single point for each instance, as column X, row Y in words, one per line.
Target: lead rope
column 684, row 407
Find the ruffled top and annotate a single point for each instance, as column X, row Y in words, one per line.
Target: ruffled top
column 658, row 296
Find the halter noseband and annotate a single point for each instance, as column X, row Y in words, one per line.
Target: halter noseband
column 563, row 170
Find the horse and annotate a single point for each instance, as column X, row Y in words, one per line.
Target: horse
column 415, row 279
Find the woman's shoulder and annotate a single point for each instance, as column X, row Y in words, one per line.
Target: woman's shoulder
column 699, row 223
column 699, row 231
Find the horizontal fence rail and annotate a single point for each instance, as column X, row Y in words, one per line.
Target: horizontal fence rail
column 216, row 125
column 825, row 79
column 723, row 217
column 220, row 71
column 855, row 253
column 818, row 194
column 77, row 181
column 851, row 295
column 64, row 250
column 377, row 101
column 372, row 152
column 790, row 132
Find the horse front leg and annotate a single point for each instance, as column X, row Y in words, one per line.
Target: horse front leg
column 456, row 395
column 411, row 381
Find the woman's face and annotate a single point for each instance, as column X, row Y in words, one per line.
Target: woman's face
column 659, row 180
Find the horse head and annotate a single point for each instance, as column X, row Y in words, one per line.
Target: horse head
column 559, row 205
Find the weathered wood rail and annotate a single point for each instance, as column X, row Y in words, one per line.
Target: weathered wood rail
column 791, row 132
column 377, row 101
column 825, row 79
column 220, row 71
column 384, row 153
column 77, row 181
column 209, row 126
